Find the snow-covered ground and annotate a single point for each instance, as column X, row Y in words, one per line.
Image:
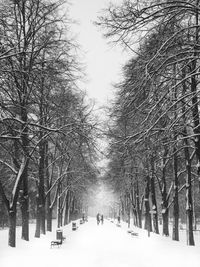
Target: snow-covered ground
column 98, row 246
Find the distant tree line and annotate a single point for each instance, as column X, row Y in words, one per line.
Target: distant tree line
column 47, row 133
column 154, row 136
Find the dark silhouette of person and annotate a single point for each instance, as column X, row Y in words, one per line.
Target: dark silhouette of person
column 98, row 218
column 102, row 219
column 83, row 217
column 118, row 219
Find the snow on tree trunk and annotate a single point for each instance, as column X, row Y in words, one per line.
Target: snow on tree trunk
column 189, row 212
column 24, row 200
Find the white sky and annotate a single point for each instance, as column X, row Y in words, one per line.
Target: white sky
column 103, row 61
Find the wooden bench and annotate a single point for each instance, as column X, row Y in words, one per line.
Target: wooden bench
column 63, row 238
column 74, row 226
column 57, row 243
column 59, row 239
column 132, row 233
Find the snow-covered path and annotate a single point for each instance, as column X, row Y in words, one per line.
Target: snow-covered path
column 100, row 246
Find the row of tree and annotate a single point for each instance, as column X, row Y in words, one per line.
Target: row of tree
column 155, row 134
column 46, row 129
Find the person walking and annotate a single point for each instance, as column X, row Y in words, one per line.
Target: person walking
column 118, row 219
column 102, row 218
column 98, row 218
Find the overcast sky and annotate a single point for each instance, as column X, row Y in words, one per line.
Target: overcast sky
column 103, row 61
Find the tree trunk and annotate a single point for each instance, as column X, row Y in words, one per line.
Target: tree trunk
column 66, row 217
column 12, row 205
column 165, row 218
column 148, row 223
column 37, row 230
column 175, row 233
column 194, row 209
column 194, row 90
column 128, row 208
column 189, row 204
column 49, row 219
column 12, row 227
column 189, row 209
column 43, row 148
column 71, row 215
column 67, row 209
column 138, row 210
column 59, row 209
column 24, row 196
column 133, row 204
column 153, row 200
column 129, row 215
column 42, row 218
column 48, row 186
column 41, row 191
column 122, row 208
column 25, row 217
column 140, row 218
column 24, row 117
column 165, row 202
column 49, row 209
